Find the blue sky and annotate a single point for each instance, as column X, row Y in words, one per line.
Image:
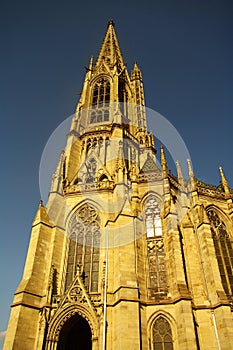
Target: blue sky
column 184, row 49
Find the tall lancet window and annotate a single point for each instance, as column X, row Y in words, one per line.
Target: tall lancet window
column 153, row 220
column 224, row 251
column 155, row 250
column 162, row 335
column 84, row 247
column 100, row 101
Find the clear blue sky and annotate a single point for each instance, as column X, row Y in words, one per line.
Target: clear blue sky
column 184, row 49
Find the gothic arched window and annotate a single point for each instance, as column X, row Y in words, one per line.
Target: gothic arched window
column 153, row 220
column 223, row 249
column 155, row 249
column 162, row 335
column 84, row 246
column 100, row 101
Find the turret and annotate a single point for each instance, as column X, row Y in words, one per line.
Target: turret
column 139, row 100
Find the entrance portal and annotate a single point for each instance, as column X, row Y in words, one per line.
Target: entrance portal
column 75, row 334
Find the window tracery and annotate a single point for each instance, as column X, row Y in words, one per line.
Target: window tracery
column 84, row 247
column 224, row 251
column 162, row 335
column 155, row 250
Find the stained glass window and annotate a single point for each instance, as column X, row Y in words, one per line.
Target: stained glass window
column 223, row 250
column 84, row 243
column 162, row 335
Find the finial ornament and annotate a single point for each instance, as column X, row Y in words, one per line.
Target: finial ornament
column 163, row 161
column 110, row 22
column 224, row 183
column 179, row 173
column 91, row 63
column 41, row 202
column 191, row 175
column 190, row 169
column 110, row 51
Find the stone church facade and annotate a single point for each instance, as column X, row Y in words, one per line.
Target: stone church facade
column 125, row 255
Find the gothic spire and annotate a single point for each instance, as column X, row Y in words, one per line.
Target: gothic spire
column 90, row 63
column 191, row 176
column 166, row 183
column 57, row 178
column 179, row 173
column 224, row 183
column 110, row 51
column 136, row 72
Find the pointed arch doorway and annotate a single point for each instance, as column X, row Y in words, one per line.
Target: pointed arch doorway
column 75, row 334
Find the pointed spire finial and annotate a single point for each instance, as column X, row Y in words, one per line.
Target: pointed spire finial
column 191, row 175
column 179, row 173
column 110, row 52
column 163, row 161
column 136, row 73
column 41, row 215
column 110, row 22
column 91, row 62
column 135, row 67
column 224, row 183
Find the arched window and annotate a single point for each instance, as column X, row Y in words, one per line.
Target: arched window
column 153, row 220
column 100, row 101
column 223, row 250
column 162, row 335
column 84, row 246
column 155, row 250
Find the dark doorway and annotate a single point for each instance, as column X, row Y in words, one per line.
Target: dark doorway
column 75, row 335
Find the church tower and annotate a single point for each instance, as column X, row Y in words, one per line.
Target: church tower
column 125, row 255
